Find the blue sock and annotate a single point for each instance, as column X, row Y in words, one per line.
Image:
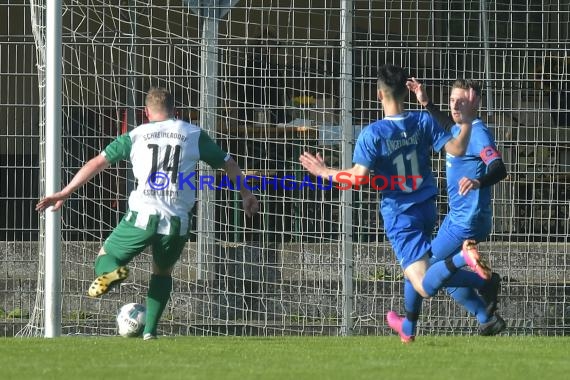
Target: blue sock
column 471, row 302
column 437, row 274
column 465, row 278
column 458, row 260
column 413, row 306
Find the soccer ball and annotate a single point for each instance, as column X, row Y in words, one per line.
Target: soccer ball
column 131, row 320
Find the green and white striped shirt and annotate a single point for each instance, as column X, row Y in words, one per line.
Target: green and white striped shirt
column 170, row 147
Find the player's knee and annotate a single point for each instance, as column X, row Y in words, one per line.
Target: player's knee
column 427, row 290
column 418, row 286
column 421, row 291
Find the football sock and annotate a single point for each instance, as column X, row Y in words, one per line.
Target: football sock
column 413, row 305
column 465, row 278
column 471, row 302
column 105, row 264
column 158, row 295
column 458, row 260
column 437, row 274
column 446, row 273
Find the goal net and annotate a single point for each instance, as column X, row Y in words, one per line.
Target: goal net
column 314, row 261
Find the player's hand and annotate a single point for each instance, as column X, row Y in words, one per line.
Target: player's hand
column 467, row 184
column 313, row 164
column 418, row 89
column 56, row 200
column 250, row 204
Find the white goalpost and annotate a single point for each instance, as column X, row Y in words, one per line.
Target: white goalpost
column 269, row 80
column 53, row 169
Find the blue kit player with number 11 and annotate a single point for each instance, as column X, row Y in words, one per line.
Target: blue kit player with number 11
column 399, row 147
column 159, row 208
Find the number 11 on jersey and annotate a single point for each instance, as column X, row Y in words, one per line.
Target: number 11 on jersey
column 407, row 167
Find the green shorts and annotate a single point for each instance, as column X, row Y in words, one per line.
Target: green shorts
column 126, row 241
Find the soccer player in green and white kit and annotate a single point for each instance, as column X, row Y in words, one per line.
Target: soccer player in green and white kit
column 163, row 152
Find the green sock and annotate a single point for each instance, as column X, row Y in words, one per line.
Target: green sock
column 158, row 295
column 105, row 264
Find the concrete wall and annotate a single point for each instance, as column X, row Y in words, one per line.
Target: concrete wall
column 289, row 289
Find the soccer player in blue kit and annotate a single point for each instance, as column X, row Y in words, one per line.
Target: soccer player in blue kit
column 469, row 181
column 398, row 147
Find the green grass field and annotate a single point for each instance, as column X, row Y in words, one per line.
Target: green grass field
column 444, row 357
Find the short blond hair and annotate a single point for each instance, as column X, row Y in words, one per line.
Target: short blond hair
column 159, row 99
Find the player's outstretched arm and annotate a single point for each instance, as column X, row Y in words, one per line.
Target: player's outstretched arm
column 88, row 171
column 317, row 167
column 249, row 201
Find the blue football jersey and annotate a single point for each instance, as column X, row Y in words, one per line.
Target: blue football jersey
column 397, row 150
column 468, row 209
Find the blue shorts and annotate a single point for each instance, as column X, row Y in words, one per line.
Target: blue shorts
column 410, row 231
column 450, row 237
